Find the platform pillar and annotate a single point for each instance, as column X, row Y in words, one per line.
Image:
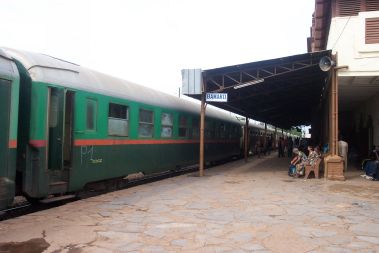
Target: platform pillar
column 333, row 164
column 202, row 124
column 246, row 138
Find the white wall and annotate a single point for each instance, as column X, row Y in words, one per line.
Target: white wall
column 347, row 38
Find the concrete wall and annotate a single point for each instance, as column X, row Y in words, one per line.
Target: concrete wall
column 362, row 113
column 347, row 38
column 359, row 89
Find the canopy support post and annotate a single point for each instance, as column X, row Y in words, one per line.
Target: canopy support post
column 333, row 163
column 246, row 138
column 202, row 124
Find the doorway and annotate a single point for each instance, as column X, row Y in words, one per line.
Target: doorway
column 60, row 122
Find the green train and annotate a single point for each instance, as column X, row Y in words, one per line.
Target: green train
column 9, row 99
column 66, row 126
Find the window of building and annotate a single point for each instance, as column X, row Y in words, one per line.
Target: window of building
column 167, row 122
column 146, row 125
column 372, row 30
column 118, row 122
column 183, row 129
column 372, row 5
column 348, row 7
column 91, row 114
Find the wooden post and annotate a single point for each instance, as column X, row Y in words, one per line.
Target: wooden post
column 334, row 163
column 265, row 141
column 246, row 138
column 333, row 114
column 202, row 124
column 336, row 134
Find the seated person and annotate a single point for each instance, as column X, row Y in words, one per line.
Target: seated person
column 313, row 155
column 298, row 161
column 371, row 166
column 318, row 152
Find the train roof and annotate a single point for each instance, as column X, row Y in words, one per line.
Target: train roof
column 7, row 66
column 48, row 69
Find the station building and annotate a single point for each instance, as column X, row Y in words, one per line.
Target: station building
column 350, row 30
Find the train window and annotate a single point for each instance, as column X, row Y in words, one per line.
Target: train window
column 222, row 131
column 91, row 114
column 146, row 124
column 183, row 129
column 216, row 131
column 195, row 128
column 118, row 120
column 167, row 121
column 53, row 110
column 208, row 127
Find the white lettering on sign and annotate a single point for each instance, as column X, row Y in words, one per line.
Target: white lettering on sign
column 216, row 97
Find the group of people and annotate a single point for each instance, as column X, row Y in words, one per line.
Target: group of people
column 262, row 147
column 285, row 145
column 300, row 160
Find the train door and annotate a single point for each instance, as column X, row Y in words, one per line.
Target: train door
column 55, row 128
column 5, row 103
column 60, row 104
column 68, row 130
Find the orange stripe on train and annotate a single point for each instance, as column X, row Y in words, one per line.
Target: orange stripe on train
column 110, row 142
column 12, row 144
column 142, row 142
column 38, row 143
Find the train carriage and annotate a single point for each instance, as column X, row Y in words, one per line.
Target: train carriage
column 9, row 93
column 79, row 126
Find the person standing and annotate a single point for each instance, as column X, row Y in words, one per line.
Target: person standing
column 343, row 149
column 281, row 147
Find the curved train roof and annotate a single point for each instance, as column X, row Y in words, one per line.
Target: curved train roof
column 47, row 69
column 7, row 66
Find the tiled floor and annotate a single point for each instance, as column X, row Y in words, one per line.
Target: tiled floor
column 236, row 207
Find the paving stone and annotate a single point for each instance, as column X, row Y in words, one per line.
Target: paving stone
column 358, row 245
column 336, row 250
column 237, row 207
column 323, row 233
column 374, row 240
column 180, row 242
column 240, row 237
column 105, row 214
column 367, row 229
column 155, row 249
column 252, row 247
column 198, row 205
column 134, row 246
column 155, row 232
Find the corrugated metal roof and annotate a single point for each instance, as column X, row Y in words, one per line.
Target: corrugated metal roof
column 289, row 90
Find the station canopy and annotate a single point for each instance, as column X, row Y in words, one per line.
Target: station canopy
column 283, row 92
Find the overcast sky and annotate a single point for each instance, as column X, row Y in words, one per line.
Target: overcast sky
column 150, row 41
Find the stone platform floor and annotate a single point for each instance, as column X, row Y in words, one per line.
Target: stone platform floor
column 236, row 207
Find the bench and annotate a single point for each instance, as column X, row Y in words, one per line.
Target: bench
column 315, row 167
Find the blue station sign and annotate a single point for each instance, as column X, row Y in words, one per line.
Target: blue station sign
column 216, row 97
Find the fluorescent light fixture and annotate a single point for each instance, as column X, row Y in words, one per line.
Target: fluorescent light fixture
column 260, row 80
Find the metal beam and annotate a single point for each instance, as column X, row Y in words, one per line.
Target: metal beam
column 259, row 72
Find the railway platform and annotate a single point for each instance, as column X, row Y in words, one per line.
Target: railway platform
column 235, row 207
